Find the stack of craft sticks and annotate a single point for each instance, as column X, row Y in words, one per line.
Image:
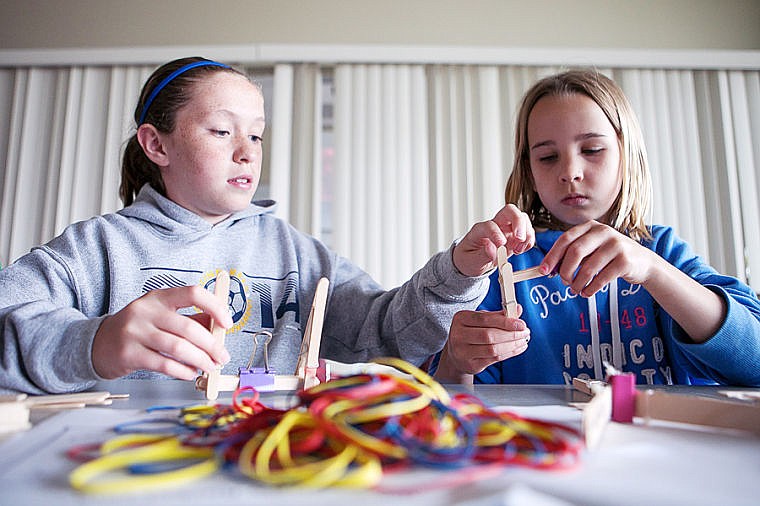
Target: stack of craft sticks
column 15, row 410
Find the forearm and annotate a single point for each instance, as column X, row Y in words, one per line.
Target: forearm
column 699, row 311
column 45, row 350
column 411, row 321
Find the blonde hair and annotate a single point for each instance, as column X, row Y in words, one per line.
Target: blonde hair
column 631, row 208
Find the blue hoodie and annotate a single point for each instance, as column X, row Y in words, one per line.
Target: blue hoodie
column 634, row 333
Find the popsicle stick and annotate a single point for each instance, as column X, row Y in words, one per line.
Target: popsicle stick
column 673, row 407
column 526, row 274
column 308, row 362
column 78, row 399
column 221, row 291
column 596, row 413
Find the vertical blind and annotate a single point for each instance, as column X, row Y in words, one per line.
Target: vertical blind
column 417, row 153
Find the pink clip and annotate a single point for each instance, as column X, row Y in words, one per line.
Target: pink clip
column 323, row 371
column 623, row 396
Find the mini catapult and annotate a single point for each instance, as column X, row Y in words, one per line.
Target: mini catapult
column 619, row 400
column 309, row 371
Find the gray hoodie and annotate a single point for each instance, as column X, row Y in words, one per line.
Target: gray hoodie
column 53, row 299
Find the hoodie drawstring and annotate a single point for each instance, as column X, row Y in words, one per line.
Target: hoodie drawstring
column 617, row 344
column 596, row 352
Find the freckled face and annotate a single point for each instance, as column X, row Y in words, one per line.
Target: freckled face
column 214, row 153
column 574, row 158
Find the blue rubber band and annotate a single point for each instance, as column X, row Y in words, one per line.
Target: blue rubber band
column 170, row 78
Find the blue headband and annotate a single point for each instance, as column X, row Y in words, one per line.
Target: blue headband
column 170, row 78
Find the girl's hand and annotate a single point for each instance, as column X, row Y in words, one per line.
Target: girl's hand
column 590, row 255
column 475, row 254
column 478, row 339
column 149, row 334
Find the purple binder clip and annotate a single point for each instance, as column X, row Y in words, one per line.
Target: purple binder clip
column 258, row 378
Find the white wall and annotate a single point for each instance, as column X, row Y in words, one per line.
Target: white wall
column 663, row 24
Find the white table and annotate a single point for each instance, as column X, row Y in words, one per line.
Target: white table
column 634, row 465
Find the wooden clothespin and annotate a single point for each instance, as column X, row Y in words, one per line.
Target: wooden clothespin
column 507, row 282
column 309, row 370
column 221, row 292
column 508, row 278
column 308, row 358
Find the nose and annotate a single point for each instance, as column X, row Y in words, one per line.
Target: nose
column 571, row 170
column 245, row 150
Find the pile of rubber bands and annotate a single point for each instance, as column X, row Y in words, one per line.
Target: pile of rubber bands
column 346, row 432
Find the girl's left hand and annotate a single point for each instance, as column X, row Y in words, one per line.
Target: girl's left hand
column 475, row 254
column 478, row 339
column 590, row 255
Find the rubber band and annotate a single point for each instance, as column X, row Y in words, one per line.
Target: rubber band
column 151, row 426
column 86, row 477
column 346, row 432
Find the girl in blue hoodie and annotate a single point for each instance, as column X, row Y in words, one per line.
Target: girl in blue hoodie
column 617, row 290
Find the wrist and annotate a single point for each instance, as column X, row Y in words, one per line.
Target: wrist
column 448, row 373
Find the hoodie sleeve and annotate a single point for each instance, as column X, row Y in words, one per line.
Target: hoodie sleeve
column 411, row 321
column 46, row 340
column 732, row 354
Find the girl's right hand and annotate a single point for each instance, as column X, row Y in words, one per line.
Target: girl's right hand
column 478, row 339
column 149, row 334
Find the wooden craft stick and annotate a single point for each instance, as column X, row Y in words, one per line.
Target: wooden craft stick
column 597, row 412
column 308, row 361
column 14, row 415
column 527, row 274
column 78, row 399
column 659, row 405
column 225, row 383
column 222, row 292
column 230, row 383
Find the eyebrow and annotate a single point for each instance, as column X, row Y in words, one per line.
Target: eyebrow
column 582, row 137
column 230, row 114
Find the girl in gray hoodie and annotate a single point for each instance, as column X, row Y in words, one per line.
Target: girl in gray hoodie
column 126, row 294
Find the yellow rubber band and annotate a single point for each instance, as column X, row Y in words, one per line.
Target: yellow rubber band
column 85, row 478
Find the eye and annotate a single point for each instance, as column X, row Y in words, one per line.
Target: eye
column 255, row 138
column 592, row 151
column 547, row 158
column 221, row 133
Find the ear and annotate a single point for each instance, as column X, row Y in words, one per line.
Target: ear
column 152, row 143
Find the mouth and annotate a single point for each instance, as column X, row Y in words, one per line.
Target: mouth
column 241, row 181
column 575, row 200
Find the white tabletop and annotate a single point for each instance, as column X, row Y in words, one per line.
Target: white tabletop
column 635, row 464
